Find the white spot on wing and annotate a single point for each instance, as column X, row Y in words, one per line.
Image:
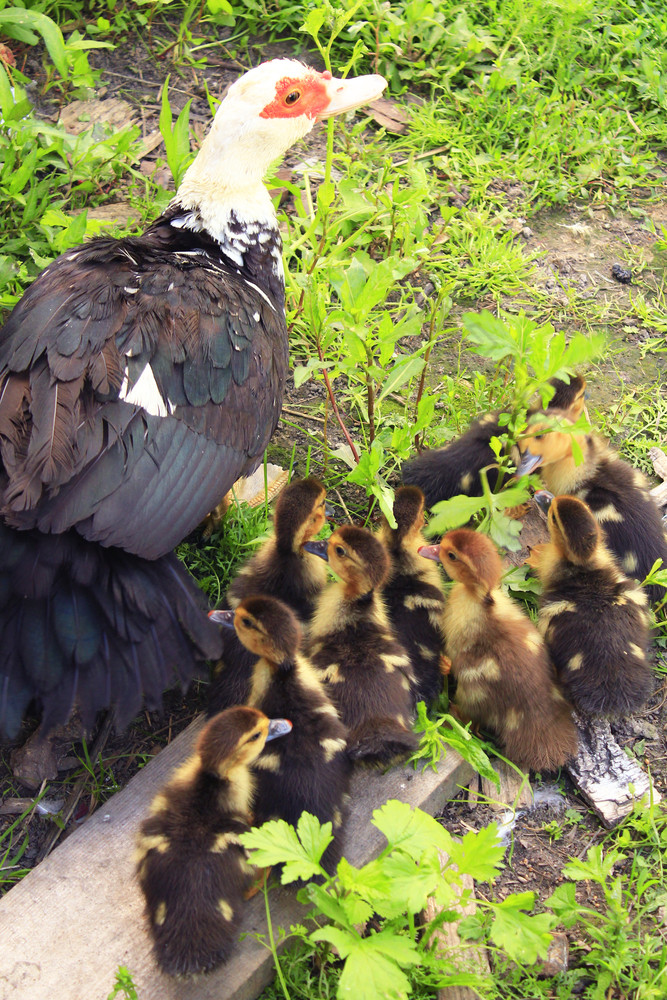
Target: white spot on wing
column 255, row 316
column 144, row 393
column 251, row 284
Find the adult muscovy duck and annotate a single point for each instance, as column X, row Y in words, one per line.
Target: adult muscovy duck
column 139, row 378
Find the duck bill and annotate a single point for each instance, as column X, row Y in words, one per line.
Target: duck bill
column 344, row 95
column 543, row 500
column 222, row 617
column 430, row 552
column 528, row 463
column 318, row 549
column 278, row 727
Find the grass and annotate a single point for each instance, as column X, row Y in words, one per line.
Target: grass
column 534, row 113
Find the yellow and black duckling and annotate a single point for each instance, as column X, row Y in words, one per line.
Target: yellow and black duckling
column 594, row 619
column 366, row 671
column 617, row 495
column 311, row 771
column 446, row 472
column 413, row 593
column 505, row 682
column 191, row 867
column 281, row 568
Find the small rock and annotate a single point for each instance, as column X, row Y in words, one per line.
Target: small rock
column 34, row 762
column 526, row 232
column 557, row 956
column 621, row 274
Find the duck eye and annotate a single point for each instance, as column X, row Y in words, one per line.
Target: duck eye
column 255, row 736
column 292, row 97
column 452, row 556
column 247, row 622
column 538, row 437
column 340, row 551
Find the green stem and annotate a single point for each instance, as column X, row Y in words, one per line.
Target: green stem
column 272, row 941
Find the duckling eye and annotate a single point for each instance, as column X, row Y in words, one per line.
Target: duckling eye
column 255, row 736
column 292, row 97
column 340, row 551
column 247, row 622
column 452, row 556
column 538, row 437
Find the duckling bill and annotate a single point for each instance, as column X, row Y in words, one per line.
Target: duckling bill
column 365, row 669
column 191, row 866
column 505, row 682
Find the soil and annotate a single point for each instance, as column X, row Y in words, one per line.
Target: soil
column 578, row 246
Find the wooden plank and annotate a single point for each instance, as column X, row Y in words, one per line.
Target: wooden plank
column 70, row 923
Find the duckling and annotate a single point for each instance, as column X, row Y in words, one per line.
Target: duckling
column 366, row 671
column 191, row 867
column 413, row 593
column 505, row 681
column 311, row 771
column 281, row 568
column 618, row 495
column 455, row 469
column 594, row 619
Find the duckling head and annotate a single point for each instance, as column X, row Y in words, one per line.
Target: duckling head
column 357, row 557
column 573, row 529
column 471, row 558
column 268, row 628
column 569, row 396
column 544, row 444
column 409, row 514
column 235, row 738
column 300, row 513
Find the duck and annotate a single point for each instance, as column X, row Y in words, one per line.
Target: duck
column 413, row 593
column 311, row 771
column 443, row 473
column 280, row 568
column 365, row 669
column 191, row 867
column 139, row 378
column 617, row 495
column 594, row 618
column 505, row 681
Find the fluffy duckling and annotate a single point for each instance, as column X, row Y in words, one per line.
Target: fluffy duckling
column 413, row 593
column 505, row 681
column 594, row 619
column 280, row 568
column 191, row 867
column 310, row 771
column 617, row 495
column 455, row 469
column 366, row 671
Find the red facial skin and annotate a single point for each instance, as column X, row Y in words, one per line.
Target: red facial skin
column 313, row 97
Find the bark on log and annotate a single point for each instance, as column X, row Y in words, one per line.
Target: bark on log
column 610, row 781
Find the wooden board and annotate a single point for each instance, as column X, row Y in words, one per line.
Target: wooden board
column 70, row 923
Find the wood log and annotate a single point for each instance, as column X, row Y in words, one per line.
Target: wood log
column 468, row 959
column 610, row 781
column 515, row 789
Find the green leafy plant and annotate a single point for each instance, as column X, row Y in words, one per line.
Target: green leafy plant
column 124, row 986
column 176, row 136
column 420, row 860
column 442, row 731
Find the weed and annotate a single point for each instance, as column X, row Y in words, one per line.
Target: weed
column 124, row 986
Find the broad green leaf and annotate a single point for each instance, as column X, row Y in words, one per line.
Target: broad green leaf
column 490, row 335
column 413, row 830
column 401, row 373
column 479, row 854
column 597, row 866
column 522, row 937
column 453, row 513
column 314, row 836
column 346, row 910
column 563, row 902
column 411, row 883
column 276, row 843
column 43, row 25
